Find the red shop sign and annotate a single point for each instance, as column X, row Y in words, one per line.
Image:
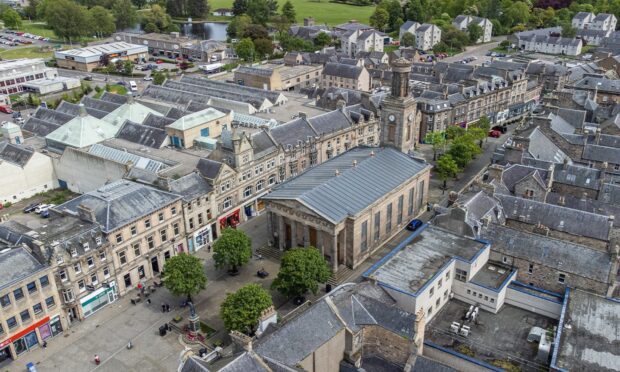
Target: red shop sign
column 24, row 332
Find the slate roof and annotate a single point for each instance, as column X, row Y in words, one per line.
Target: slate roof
column 562, row 255
column 123, row 157
column 329, row 122
column 542, row 148
column 555, row 217
column 73, row 110
column 209, row 168
column 601, row 154
column 582, row 15
column 17, row 264
column 114, row 98
column 291, row 132
column 424, row 364
column 273, row 96
column 99, row 104
column 157, row 121
column 132, row 110
column 51, row 116
column 120, row 203
column 342, row 70
column 142, row 134
column 576, row 175
column 190, row 186
column 15, row 154
column 601, row 206
column 355, row 188
column 515, row 173
column 263, row 144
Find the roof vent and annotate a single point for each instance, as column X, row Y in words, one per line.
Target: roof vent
column 355, row 163
column 372, row 153
column 337, row 173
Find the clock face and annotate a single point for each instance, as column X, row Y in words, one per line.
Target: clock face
column 410, row 117
column 391, row 117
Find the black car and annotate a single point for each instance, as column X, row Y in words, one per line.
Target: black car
column 31, row 207
column 88, row 78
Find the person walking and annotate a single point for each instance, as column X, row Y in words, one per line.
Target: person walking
column 167, row 308
column 97, row 359
column 163, row 307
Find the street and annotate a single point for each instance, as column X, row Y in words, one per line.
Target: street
column 479, row 51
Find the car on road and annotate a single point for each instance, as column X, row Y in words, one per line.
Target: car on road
column 414, row 225
column 495, row 133
column 501, row 128
column 159, row 61
column 148, row 78
column 6, row 109
column 20, row 120
column 88, row 77
column 31, row 207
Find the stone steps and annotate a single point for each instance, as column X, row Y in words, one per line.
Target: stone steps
column 270, row 252
column 341, row 275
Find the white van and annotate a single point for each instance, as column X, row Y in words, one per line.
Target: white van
column 133, row 86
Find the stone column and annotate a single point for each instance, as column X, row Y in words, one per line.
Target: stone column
column 335, row 252
column 293, row 233
column 343, row 244
column 306, row 236
column 281, row 233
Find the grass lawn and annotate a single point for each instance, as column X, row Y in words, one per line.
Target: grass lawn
column 27, row 52
column 118, row 89
column 322, row 11
column 37, row 28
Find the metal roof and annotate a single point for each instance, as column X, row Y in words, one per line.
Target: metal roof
column 123, row 157
column 377, row 172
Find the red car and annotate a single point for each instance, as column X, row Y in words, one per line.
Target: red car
column 159, row 61
column 6, row 109
column 495, row 133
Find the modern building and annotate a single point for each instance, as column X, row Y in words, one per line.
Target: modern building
column 279, row 77
column 355, row 41
column 346, row 76
column 15, row 73
column 348, row 206
column 461, row 22
column 174, row 45
column 207, row 123
column 92, row 57
column 31, row 308
column 427, row 36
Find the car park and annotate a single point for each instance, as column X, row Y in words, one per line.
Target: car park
column 40, row 208
column 414, row 225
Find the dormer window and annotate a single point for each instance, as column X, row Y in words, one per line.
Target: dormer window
column 98, row 240
column 85, row 246
column 73, row 252
column 59, row 260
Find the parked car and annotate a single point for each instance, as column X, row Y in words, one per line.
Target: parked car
column 45, row 214
column 495, row 133
column 148, row 78
column 159, row 61
column 31, row 207
column 40, row 208
column 6, row 109
column 414, row 225
column 88, row 77
column 501, row 128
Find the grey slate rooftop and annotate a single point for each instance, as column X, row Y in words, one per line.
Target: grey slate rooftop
column 342, row 70
column 17, row 264
column 409, row 268
column 142, row 134
column 565, row 256
column 15, row 154
column 591, row 341
column 190, row 186
column 120, row 203
column 377, row 171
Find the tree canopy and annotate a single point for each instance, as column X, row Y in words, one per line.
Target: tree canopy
column 234, row 247
column 68, row 20
column 288, row 11
column 301, row 270
column 408, row 40
column 184, row 275
column 124, row 14
column 446, row 167
column 102, row 21
column 11, row 19
column 242, row 309
column 474, row 32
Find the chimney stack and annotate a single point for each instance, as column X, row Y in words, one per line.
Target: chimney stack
column 241, row 340
column 86, row 214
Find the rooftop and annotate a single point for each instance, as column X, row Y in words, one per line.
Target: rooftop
column 492, row 275
column 101, row 49
column 409, row 267
column 494, row 336
column 590, row 333
column 197, row 118
column 17, row 264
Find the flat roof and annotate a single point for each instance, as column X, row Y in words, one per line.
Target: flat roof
column 492, row 275
column 590, row 335
column 100, row 49
column 18, row 63
column 409, row 266
column 500, row 336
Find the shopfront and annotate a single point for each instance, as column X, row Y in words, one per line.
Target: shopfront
column 232, row 220
column 28, row 339
column 201, row 238
column 99, row 299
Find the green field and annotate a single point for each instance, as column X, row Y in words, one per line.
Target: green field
column 322, row 11
column 26, row 52
column 38, row 28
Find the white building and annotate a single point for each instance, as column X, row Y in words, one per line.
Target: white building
column 427, row 36
column 581, row 20
column 15, row 73
column 410, row 27
column 24, row 171
column 588, row 21
column 355, row 41
column 550, row 44
column 463, row 21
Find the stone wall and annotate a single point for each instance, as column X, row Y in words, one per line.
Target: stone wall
column 389, row 346
column 583, row 240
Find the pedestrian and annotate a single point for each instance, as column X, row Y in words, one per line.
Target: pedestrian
column 148, row 301
column 163, row 307
column 97, row 360
column 209, row 248
column 167, row 308
column 45, row 344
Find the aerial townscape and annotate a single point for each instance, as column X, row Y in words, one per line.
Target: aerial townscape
column 307, row 185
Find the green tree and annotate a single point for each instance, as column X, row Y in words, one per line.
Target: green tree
column 568, row 30
column 236, row 27
column 259, row 10
column 379, row 19
column 474, row 32
column 263, row 47
column 158, row 78
column 127, row 67
column 445, row 168
column 463, row 150
column 437, row 139
column 453, row 132
column 419, row 10
column 11, row 19
column 408, row 40
column 31, row 10
column 68, row 20
column 197, row 8
column 157, row 16
column 281, row 24
column 322, row 39
column 454, row 38
column 150, row 27
column 124, row 14
column 517, row 12
column 301, row 270
column 102, row 21
column 395, row 13
column 478, row 134
column 184, row 275
column 291, row 43
column 288, row 11
column 242, row 309
column 484, row 123
column 255, row 31
column 240, row 7
column 139, row 3
column 234, row 247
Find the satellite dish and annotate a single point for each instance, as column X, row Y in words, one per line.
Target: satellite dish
column 145, row 42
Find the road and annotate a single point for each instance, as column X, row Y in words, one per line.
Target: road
column 479, row 51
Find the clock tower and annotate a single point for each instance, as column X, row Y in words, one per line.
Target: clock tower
column 400, row 122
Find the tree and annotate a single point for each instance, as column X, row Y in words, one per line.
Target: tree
column 484, row 123
column 234, row 247
column 124, row 14
column 31, row 10
column 158, row 17
column 474, row 32
column 322, row 39
column 568, row 30
column 454, row 37
column 477, row 134
column 445, row 168
column 11, row 19
column 517, row 12
column 236, row 27
column 127, row 67
column 158, row 78
column 454, row 131
column 395, row 13
column 463, row 150
column 379, row 19
column 242, row 309
column 408, row 40
column 240, row 7
column 102, row 21
column 419, row 10
column 291, row 43
column 301, row 270
column 150, row 27
column 255, row 31
column 259, row 10
column 184, row 275
column 263, row 47
column 288, row 11
column 139, row 3
column 197, row 8
column 437, row 139
column 68, row 20
column 281, row 24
